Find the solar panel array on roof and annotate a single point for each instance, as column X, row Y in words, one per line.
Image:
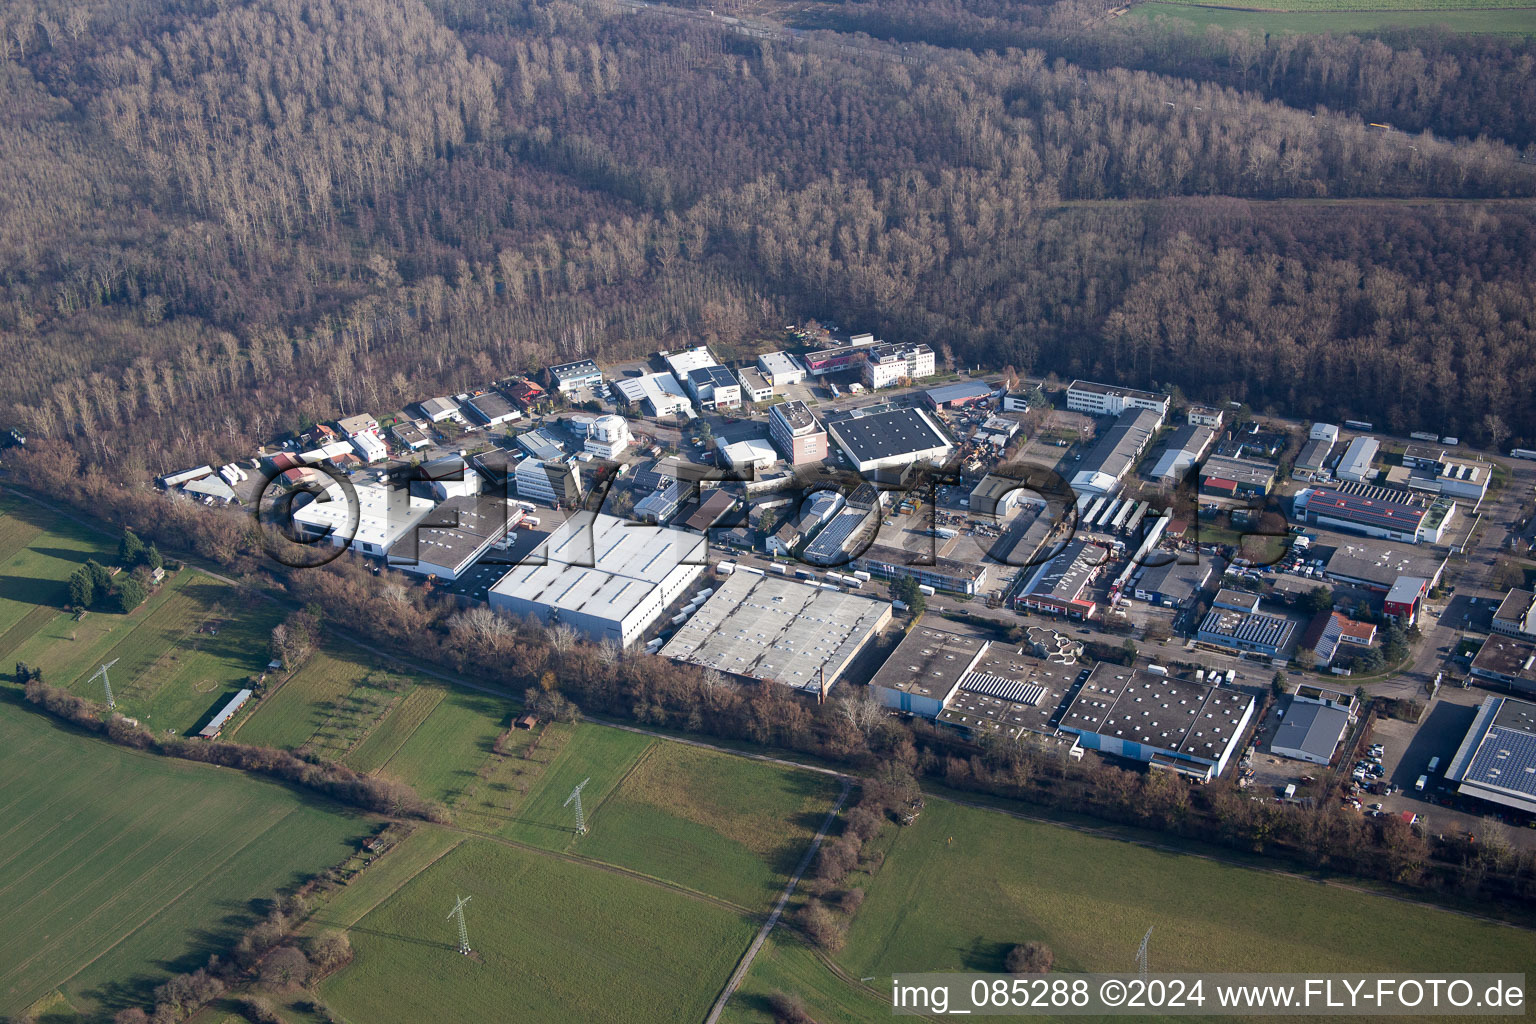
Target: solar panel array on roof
column 1002, row 688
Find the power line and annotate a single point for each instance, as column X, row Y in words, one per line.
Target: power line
column 1141, row 954
column 106, row 684
column 575, row 797
column 458, row 912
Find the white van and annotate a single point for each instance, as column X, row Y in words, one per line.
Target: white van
column 1423, row 781
column 1434, row 763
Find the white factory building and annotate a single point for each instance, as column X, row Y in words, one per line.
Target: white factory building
column 1105, row 400
column 383, row 515
column 781, row 369
column 659, row 393
column 604, row 577
column 607, row 436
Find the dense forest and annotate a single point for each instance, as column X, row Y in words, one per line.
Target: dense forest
column 222, row 218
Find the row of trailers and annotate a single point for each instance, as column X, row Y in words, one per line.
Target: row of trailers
column 1112, row 515
column 833, row 581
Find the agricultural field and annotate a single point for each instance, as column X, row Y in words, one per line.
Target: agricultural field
column 329, row 706
column 441, row 757
column 1313, row 16
column 728, row 826
column 118, row 868
column 178, row 656
column 38, row 551
column 553, row 940
column 961, row 886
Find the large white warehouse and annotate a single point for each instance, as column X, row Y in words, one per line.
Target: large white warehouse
column 606, row 578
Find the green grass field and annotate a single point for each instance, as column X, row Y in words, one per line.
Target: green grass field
column 38, row 552
column 117, row 868
column 1311, row 16
column 554, row 941
column 940, row 906
column 441, row 757
column 330, row 705
column 786, row 964
column 727, row 826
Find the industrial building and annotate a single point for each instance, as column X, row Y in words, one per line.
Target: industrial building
column 714, row 386
column 1324, row 432
column 1104, row 400
column 1496, row 761
column 1253, row 632
column 1229, row 477
column 1117, row 450
column 687, row 360
column 781, row 369
column 1313, row 459
column 1057, row 587
column 605, row 578
column 663, row 503
column 554, row 483
column 1310, row 731
column 490, row 409
column 569, row 377
column 383, row 515
column 1204, row 416
column 1466, row 479
column 1516, row 615
column 1378, row 566
column 453, row 536
column 1357, row 462
column 945, row 574
column 1506, row 661
column 410, row 435
column 1181, row 725
column 890, row 440
column 779, row 629
column 753, row 455
column 436, row 410
column 794, row 429
column 971, row 683
column 1185, row 447
column 541, row 444
column 996, row 495
column 955, row 396
column 997, row 431
column 754, row 386
column 1172, row 584
column 658, row 394
column 847, row 531
column 833, row 360
column 886, row 365
column 1384, row 512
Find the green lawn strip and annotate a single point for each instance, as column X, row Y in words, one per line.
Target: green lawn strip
column 553, row 940
column 443, row 754
column 119, row 867
column 941, row 905
column 392, row 732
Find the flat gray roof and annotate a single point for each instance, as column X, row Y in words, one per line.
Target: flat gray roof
column 888, row 435
column 778, row 629
column 1313, row 728
column 1194, row 719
